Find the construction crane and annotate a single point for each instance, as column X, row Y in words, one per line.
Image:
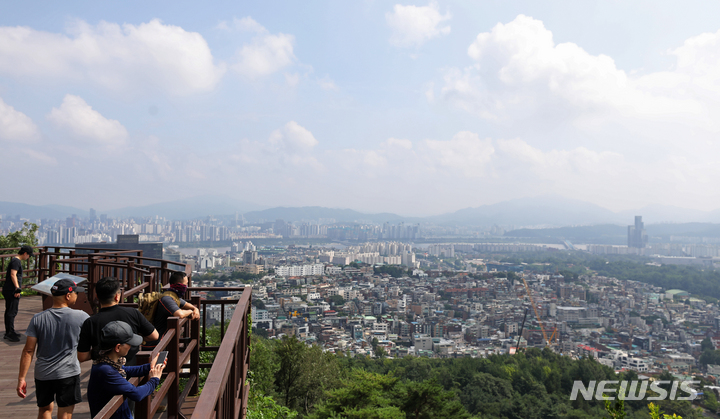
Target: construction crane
column 553, row 336
column 522, row 326
column 532, row 303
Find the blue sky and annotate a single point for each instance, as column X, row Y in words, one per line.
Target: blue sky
column 414, row 108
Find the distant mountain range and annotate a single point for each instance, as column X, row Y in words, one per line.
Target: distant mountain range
column 534, row 213
column 37, row 211
column 182, row 209
column 315, row 213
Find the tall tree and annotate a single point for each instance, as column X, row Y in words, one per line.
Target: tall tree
column 26, row 235
column 290, row 353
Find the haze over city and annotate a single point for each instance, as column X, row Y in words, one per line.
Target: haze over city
column 417, row 109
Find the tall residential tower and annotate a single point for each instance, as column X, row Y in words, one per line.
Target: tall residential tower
column 637, row 237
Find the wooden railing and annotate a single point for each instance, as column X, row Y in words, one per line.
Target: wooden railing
column 128, row 266
column 225, row 393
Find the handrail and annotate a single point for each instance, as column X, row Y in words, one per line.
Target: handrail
column 225, row 393
column 225, row 389
column 170, row 341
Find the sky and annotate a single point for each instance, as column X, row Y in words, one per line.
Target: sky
column 413, row 108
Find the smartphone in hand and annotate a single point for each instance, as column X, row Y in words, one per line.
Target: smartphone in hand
column 161, row 357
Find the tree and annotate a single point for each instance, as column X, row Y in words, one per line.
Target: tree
column 711, row 402
column 427, row 399
column 26, row 235
column 337, row 300
column 289, row 352
column 265, row 407
column 379, row 352
column 362, row 395
column 320, row 372
column 263, row 365
column 706, row 344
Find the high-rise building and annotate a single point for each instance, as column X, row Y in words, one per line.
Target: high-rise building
column 637, row 237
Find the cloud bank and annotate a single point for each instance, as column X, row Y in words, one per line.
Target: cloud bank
column 117, row 57
column 412, row 26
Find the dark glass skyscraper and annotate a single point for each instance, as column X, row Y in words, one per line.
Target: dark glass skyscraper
column 637, row 237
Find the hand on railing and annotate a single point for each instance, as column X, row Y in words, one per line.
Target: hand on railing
column 156, row 370
column 196, row 314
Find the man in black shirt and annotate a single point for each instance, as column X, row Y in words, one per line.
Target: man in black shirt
column 109, row 295
column 11, row 291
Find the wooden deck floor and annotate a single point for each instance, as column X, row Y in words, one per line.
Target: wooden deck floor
column 13, row 406
column 10, row 403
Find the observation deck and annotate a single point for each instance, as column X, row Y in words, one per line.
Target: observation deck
column 224, row 394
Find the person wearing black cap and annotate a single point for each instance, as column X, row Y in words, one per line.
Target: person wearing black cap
column 11, row 291
column 55, row 332
column 109, row 374
column 109, row 294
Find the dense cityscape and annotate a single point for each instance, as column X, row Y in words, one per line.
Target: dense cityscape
column 360, row 210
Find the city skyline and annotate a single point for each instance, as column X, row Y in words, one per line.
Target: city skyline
column 424, row 107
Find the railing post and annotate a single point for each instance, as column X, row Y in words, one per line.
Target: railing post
column 131, row 276
column 91, row 281
column 53, row 265
column 142, row 408
column 195, row 357
column 165, row 275
column 174, row 364
column 150, row 280
column 244, row 359
column 42, row 264
column 71, row 266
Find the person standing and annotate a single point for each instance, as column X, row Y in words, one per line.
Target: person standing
column 11, row 291
column 55, row 333
column 109, row 294
column 109, row 374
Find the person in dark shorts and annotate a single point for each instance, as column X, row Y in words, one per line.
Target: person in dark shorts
column 11, row 291
column 109, row 294
column 109, row 374
column 55, row 333
column 174, row 305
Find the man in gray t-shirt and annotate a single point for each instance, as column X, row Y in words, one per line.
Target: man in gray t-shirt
column 55, row 333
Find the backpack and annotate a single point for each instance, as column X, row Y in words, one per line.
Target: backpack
column 148, row 303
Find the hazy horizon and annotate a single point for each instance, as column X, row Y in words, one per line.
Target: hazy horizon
column 417, row 109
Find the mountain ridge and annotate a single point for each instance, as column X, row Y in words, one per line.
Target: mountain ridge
column 528, row 212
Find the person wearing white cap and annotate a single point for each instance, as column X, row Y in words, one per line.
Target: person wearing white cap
column 109, row 374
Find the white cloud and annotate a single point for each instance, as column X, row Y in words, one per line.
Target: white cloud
column 118, row 57
column 292, row 79
column 465, row 152
column 249, row 24
column 287, row 148
column 326, row 83
column 292, row 137
column 412, row 26
column 266, row 53
column 39, row 156
column 84, row 123
column 398, row 142
column 15, row 126
column 522, row 80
